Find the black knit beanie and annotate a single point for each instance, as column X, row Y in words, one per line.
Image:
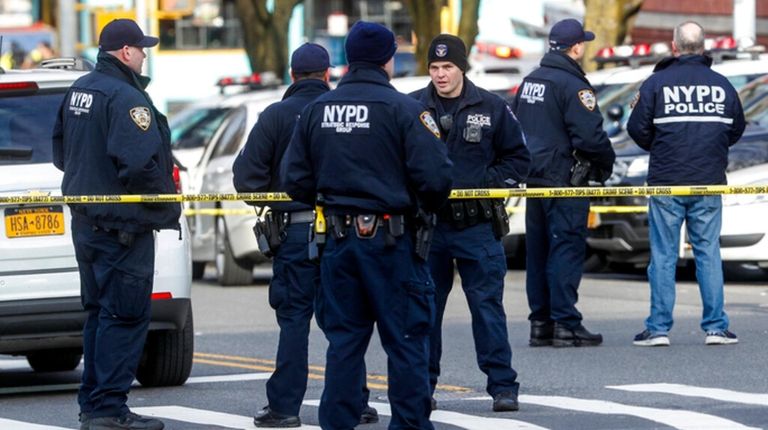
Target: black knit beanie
column 447, row 47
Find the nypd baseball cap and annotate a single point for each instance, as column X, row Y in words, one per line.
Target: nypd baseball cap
column 309, row 57
column 124, row 32
column 568, row 32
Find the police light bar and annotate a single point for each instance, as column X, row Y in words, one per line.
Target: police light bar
column 253, row 81
column 633, row 55
column 499, row 51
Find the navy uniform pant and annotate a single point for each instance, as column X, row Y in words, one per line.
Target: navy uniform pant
column 555, row 241
column 364, row 281
column 479, row 257
column 292, row 291
column 292, row 294
column 116, row 288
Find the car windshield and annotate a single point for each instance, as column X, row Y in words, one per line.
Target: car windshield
column 195, row 127
column 26, row 126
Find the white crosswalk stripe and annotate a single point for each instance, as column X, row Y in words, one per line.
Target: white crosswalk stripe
column 203, row 416
column 691, row 391
column 20, row 425
column 675, row 418
column 465, row 421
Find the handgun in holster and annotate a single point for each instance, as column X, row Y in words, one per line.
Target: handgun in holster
column 317, row 233
column 425, row 229
column 269, row 233
column 580, row 171
column 499, row 218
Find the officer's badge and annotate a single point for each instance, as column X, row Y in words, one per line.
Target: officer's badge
column 429, row 123
column 140, row 115
column 441, row 50
column 587, row 98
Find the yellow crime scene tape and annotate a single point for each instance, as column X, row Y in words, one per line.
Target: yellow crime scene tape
column 496, row 193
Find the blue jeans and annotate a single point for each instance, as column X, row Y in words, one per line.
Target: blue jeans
column 703, row 218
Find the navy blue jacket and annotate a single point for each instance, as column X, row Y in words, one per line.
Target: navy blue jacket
column 367, row 149
column 686, row 115
column 500, row 159
column 257, row 166
column 109, row 139
column 558, row 110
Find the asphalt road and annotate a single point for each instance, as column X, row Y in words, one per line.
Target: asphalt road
column 614, row 386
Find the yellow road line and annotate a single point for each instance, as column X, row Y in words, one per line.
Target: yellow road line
column 240, row 362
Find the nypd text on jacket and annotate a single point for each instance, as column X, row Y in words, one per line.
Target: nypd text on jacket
column 686, row 115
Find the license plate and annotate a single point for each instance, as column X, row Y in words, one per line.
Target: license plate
column 34, row 221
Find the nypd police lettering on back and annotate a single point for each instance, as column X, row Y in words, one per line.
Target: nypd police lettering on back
column 688, row 99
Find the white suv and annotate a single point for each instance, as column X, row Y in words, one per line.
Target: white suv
column 41, row 316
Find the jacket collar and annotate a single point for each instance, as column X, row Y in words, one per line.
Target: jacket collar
column 470, row 95
column 110, row 65
column 366, row 73
column 560, row 60
column 308, row 87
column 703, row 60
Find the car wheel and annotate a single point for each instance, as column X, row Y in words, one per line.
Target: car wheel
column 231, row 270
column 744, row 272
column 167, row 356
column 198, row 269
column 55, row 360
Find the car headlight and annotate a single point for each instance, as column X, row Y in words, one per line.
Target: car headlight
column 638, row 166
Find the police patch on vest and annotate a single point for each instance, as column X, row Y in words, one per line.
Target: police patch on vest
column 479, row 119
column 140, row 115
column 587, row 98
column 429, row 122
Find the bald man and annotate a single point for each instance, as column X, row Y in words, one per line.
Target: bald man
column 687, row 116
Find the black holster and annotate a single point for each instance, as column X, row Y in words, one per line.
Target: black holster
column 580, row 171
column 270, row 232
column 425, row 228
column 499, row 219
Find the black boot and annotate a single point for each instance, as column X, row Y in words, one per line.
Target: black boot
column 268, row 418
column 541, row 333
column 369, row 415
column 505, row 402
column 578, row 336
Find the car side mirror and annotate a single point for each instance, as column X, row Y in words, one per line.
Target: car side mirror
column 615, row 112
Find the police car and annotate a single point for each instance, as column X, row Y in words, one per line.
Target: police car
column 622, row 238
column 744, row 234
column 225, row 238
column 41, row 316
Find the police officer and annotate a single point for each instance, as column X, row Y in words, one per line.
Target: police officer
column 369, row 155
column 687, row 116
column 109, row 139
column 487, row 147
column 558, row 110
column 295, row 278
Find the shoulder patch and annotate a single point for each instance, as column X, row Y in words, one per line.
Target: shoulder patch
column 587, row 98
column 429, row 123
column 141, row 117
column 634, row 100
